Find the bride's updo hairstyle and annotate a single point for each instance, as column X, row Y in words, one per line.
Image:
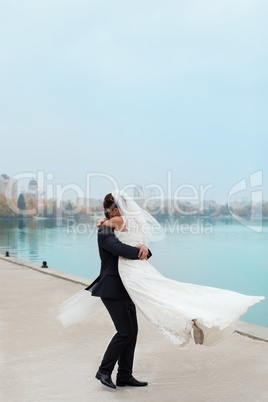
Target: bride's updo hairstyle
column 109, row 202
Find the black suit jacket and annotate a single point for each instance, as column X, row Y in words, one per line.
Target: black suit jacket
column 109, row 284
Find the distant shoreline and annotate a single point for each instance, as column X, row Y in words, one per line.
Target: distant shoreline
column 94, row 217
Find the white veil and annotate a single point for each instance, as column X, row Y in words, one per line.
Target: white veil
column 137, row 218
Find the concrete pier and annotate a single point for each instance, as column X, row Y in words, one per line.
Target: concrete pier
column 42, row 361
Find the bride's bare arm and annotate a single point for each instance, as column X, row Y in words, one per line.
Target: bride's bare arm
column 116, row 222
column 100, row 222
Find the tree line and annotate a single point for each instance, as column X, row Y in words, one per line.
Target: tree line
column 50, row 209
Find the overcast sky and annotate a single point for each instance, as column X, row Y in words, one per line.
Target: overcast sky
column 134, row 90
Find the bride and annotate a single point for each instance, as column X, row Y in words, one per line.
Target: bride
column 181, row 311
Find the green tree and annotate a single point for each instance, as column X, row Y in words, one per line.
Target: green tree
column 69, row 206
column 67, row 209
column 21, row 203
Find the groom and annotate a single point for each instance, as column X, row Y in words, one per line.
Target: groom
column 109, row 287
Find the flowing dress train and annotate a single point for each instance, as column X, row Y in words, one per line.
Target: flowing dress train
column 171, row 305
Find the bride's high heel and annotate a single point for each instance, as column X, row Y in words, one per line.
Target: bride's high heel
column 198, row 334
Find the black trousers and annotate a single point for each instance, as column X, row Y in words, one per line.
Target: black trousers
column 122, row 346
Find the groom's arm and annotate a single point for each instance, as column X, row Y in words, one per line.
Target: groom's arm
column 110, row 243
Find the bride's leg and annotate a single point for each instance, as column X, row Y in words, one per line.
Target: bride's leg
column 198, row 333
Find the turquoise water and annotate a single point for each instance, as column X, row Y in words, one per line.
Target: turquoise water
column 228, row 256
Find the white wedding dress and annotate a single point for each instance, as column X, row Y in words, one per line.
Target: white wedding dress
column 171, row 306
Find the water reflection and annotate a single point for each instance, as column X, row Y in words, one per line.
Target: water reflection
column 25, row 238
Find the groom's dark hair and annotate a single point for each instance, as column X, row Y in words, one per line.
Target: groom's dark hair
column 109, row 202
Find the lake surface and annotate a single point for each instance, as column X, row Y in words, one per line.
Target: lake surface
column 220, row 253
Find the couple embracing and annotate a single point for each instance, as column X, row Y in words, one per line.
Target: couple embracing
column 183, row 312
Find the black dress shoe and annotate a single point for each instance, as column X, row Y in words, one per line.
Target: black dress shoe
column 105, row 380
column 122, row 382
